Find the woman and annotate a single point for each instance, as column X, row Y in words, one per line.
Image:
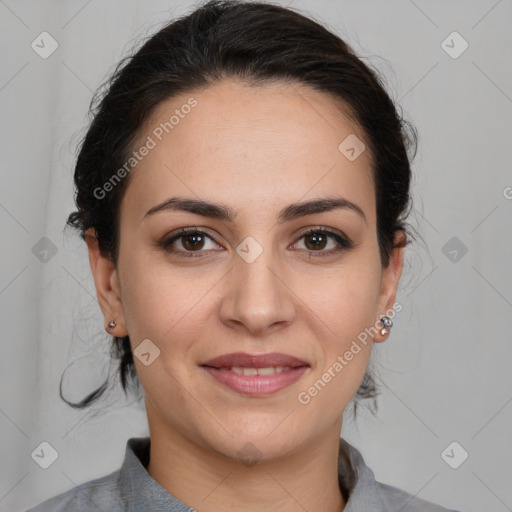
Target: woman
column 243, row 190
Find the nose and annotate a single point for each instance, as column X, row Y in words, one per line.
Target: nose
column 258, row 296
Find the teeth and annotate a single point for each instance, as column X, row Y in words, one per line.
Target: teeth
column 267, row 371
column 259, row 371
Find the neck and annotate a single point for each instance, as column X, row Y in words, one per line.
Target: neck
column 306, row 479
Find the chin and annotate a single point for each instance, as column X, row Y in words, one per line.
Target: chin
column 254, row 440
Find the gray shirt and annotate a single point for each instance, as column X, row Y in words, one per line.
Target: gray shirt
column 132, row 489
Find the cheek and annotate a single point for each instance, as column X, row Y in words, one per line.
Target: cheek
column 344, row 348
column 346, row 299
column 167, row 306
column 345, row 306
column 162, row 308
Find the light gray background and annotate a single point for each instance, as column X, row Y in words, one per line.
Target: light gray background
column 445, row 370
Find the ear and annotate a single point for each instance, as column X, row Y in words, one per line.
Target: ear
column 106, row 280
column 390, row 279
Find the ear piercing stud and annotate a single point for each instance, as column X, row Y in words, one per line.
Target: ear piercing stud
column 387, row 323
column 111, row 324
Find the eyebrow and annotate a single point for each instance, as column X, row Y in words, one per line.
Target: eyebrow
column 223, row 212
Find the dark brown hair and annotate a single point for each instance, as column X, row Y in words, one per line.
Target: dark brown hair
column 257, row 43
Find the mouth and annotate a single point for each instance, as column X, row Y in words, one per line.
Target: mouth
column 256, row 375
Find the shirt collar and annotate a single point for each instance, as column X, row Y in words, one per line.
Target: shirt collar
column 359, row 480
column 141, row 492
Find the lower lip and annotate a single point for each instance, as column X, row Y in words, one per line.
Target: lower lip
column 256, row 385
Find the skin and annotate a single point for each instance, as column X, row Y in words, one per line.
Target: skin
column 256, row 150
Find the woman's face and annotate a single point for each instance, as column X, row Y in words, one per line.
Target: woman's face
column 252, row 284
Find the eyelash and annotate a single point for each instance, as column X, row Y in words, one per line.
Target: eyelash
column 166, row 243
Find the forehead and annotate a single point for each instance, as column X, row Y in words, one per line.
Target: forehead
column 249, row 146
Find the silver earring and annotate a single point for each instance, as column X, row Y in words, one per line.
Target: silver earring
column 111, row 324
column 387, row 323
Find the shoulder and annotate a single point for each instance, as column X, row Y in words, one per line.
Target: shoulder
column 98, row 494
column 396, row 499
column 366, row 493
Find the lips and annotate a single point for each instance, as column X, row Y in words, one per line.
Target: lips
column 256, row 375
column 243, row 360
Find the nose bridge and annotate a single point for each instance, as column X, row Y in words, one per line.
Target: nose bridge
column 258, row 297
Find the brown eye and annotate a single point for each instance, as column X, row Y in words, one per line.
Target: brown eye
column 316, row 240
column 192, row 242
column 188, row 241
